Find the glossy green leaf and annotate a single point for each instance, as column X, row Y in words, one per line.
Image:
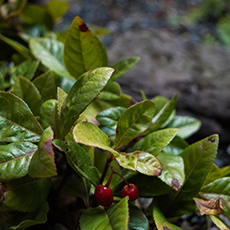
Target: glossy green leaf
column 15, row 159
column 49, row 52
column 147, row 163
column 79, row 160
column 198, row 159
column 115, row 217
column 160, row 103
column 26, row 69
column 36, row 14
column 43, row 163
column 187, row 125
column 27, row 91
column 218, row 223
column 49, row 115
column 16, row 113
column 218, row 187
column 57, row 9
column 156, row 141
column 79, row 97
column 123, row 66
column 133, row 122
column 25, row 52
column 163, row 115
column 172, row 170
column 161, row 222
column 83, row 51
column 89, row 134
column 137, row 219
column 111, row 91
column 11, row 133
column 26, row 194
column 127, row 161
column 46, row 86
column 109, row 117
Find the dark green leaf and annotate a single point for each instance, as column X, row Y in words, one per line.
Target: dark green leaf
column 123, row 66
column 11, row 133
column 148, row 186
column 21, row 221
column 133, row 122
column 89, row 134
column 26, row 194
column 79, row 160
column 163, row 115
column 115, row 217
column 27, row 91
column 16, row 113
column 198, row 159
column 218, row 187
column 187, row 125
column 46, row 86
column 156, row 141
column 109, row 117
column 137, row 219
column 111, row 91
column 172, row 170
column 83, row 51
column 15, row 159
column 43, row 163
column 50, row 52
column 79, row 97
column 161, row 222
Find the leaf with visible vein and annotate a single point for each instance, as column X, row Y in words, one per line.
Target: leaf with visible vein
column 15, row 159
column 83, row 51
column 133, row 122
column 79, row 97
column 89, row 134
column 15, row 112
column 115, row 217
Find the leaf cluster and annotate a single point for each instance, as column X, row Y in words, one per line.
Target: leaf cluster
column 64, row 122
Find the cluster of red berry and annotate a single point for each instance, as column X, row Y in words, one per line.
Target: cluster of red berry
column 104, row 194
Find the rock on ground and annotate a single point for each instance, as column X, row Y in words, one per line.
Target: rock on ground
column 200, row 75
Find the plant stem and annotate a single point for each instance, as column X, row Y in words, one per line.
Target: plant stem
column 119, row 175
column 109, row 159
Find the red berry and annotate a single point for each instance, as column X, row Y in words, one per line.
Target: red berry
column 103, row 195
column 131, row 191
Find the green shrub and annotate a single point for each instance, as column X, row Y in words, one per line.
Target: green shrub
column 66, row 127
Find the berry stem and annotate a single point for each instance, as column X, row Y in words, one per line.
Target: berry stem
column 119, row 175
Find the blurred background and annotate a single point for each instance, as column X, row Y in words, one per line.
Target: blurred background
column 184, row 49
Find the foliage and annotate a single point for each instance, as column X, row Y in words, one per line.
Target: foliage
column 66, row 127
column 216, row 12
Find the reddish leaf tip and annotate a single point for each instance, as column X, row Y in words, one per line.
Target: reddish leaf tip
column 83, row 27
